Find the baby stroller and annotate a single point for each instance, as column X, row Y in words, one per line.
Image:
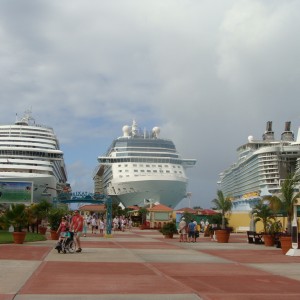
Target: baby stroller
column 66, row 243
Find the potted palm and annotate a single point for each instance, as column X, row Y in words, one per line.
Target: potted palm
column 169, row 229
column 284, row 202
column 40, row 211
column 17, row 216
column 263, row 213
column 224, row 205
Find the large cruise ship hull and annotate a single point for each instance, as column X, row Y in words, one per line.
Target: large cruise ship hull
column 30, row 153
column 167, row 192
column 141, row 166
column 261, row 168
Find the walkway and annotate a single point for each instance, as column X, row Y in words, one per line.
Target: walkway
column 142, row 265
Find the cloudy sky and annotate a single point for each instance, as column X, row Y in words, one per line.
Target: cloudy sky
column 208, row 73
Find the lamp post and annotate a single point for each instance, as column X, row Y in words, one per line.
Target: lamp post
column 189, row 195
column 294, row 251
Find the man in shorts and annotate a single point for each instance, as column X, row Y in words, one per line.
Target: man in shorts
column 191, row 231
column 182, row 230
column 77, row 227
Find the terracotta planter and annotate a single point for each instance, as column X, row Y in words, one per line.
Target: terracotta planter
column 286, row 243
column 19, row 237
column 42, row 229
column 222, row 235
column 168, row 236
column 269, row 240
column 54, row 235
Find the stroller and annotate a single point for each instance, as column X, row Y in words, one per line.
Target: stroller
column 66, row 243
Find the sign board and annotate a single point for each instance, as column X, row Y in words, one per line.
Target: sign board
column 16, row 192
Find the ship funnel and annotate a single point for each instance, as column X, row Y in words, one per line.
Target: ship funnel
column 298, row 136
column 155, row 132
column 126, row 130
column 269, row 134
column 287, row 135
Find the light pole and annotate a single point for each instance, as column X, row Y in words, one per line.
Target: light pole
column 294, row 251
column 189, row 195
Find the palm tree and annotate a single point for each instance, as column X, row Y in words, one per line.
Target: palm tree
column 223, row 204
column 262, row 212
column 285, row 200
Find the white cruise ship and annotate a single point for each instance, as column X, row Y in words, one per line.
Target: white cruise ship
column 139, row 166
column 30, row 157
column 261, row 167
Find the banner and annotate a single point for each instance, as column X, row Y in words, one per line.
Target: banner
column 15, row 192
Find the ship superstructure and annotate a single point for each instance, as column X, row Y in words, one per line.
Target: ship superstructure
column 261, row 167
column 141, row 166
column 30, row 152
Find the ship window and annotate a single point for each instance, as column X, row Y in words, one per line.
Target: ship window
column 148, row 171
column 166, row 166
column 126, row 165
column 141, row 165
column 135, row 171
column 148, row 166
column 159, row 166
column 135, row 165
column 154, row 171
column 120, row 176
column 126, row 171
column 153, row 166
column 120, row 171
column 119, row 165
column 167, row 171
column 142, row 170
column 174, row 166
column 175, row 172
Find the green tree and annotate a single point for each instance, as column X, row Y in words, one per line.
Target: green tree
column 262, row 212
column 224, row 205
column 143, row 211
column 17, row 216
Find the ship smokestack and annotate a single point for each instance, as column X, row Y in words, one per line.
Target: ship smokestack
column 269, row 134
column 287, row 135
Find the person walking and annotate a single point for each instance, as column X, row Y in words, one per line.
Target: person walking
column 191, row 231
column 182, row 230
column 85, row 226
column 94, row 225
column 77, row 227
column 101, row 227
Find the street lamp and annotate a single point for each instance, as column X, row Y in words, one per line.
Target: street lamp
column 189, row 195
column 294, row 251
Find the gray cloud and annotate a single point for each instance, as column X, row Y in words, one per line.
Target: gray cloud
column 208, row 73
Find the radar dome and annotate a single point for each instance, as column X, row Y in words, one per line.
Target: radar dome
column 250, row 138
column 156, row 131
column 126, row 130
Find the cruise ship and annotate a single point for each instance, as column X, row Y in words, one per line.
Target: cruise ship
column 31, row 162
column 261, row 167
column 140, row 168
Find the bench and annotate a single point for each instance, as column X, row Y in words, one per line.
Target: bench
column 242, row 229
column 254, row 237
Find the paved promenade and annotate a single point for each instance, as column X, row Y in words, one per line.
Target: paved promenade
column 141, row 265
